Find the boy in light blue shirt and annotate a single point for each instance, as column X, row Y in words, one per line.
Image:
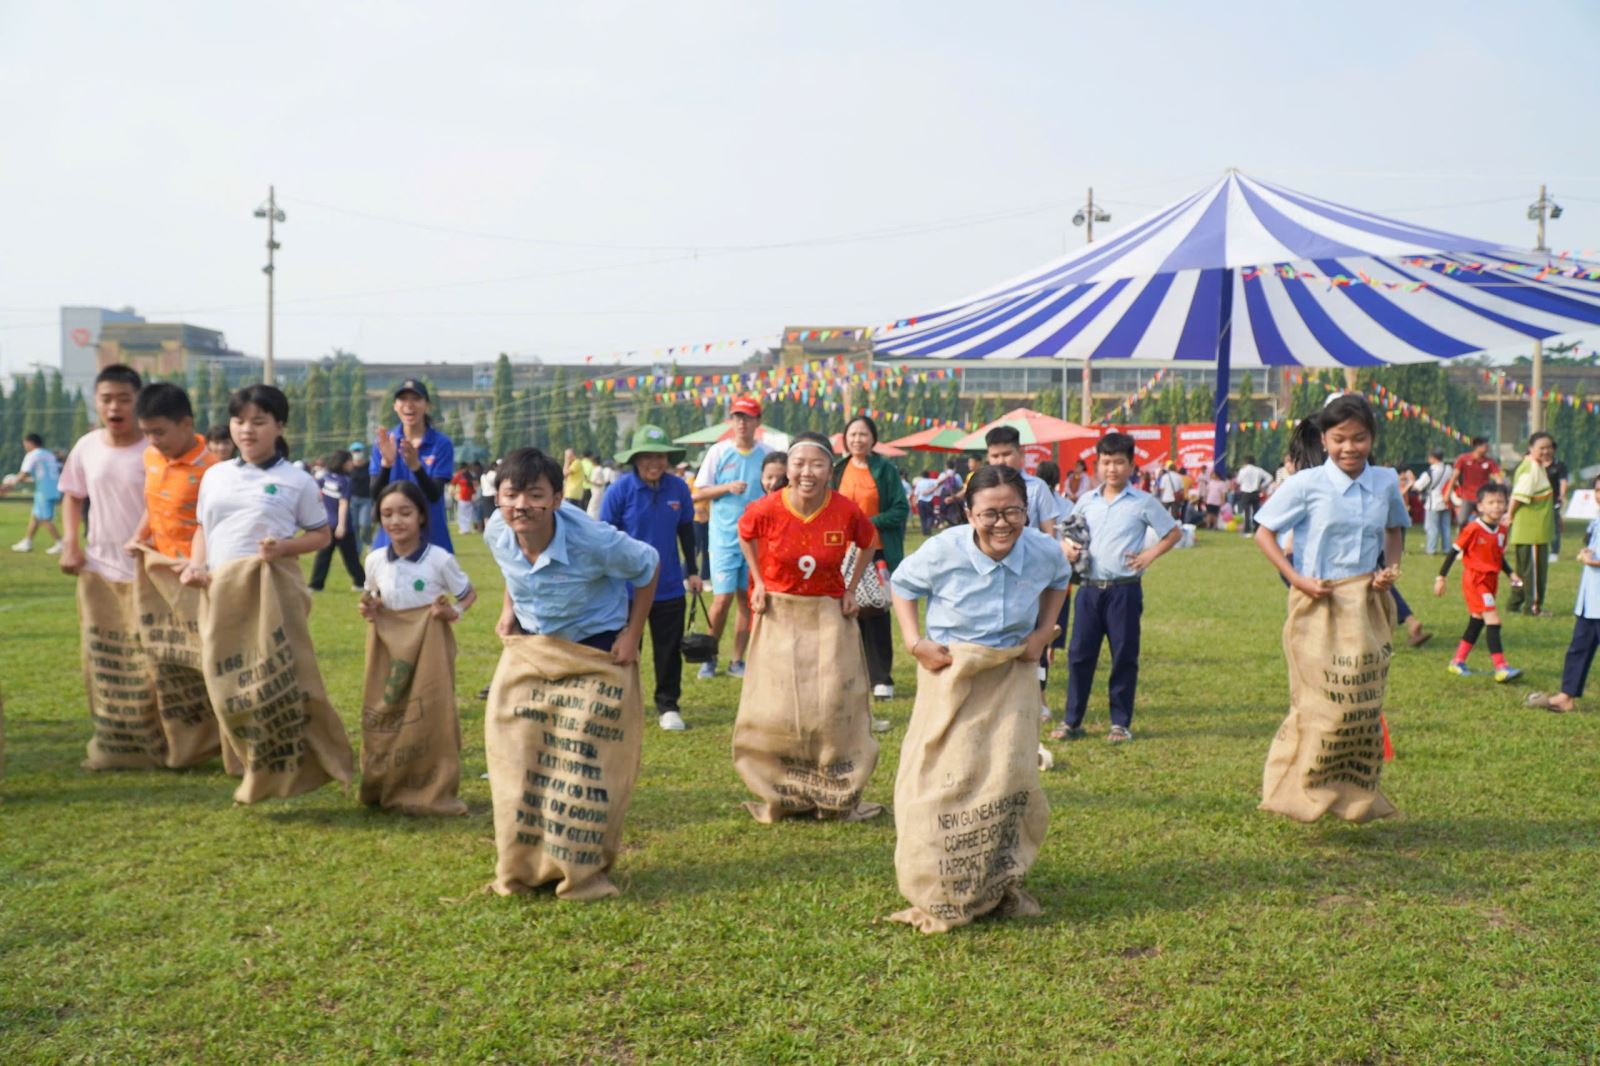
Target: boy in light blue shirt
column 730, row 480
column 1111, row 601
column 1585, row 631
column 566, row 574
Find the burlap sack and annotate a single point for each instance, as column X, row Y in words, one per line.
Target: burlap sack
column 263, row 679
column 562, row 732
column 1328, row 753
column 969, row 814
column 169, row 628
column 410, row 734
column 116, row 672
column 803, row 740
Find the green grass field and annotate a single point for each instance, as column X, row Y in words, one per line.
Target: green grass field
column 145, row 918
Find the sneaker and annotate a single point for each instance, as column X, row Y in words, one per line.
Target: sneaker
column 1119, row 734
column 883, row 692
column 1507, row 673
column 1459, row 669
column 707, row 670
column 54, row 549
column 881, row 725
column 23, row 545
column 736, row 668
column 358, row 588
column 672, row 722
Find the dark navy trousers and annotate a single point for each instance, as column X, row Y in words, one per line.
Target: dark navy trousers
column 1580, row 656
column 1105, row 614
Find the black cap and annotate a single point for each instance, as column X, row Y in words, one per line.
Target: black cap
column 413, row 385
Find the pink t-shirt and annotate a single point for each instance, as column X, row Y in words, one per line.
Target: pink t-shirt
column 113, row 480
column 1216, row 492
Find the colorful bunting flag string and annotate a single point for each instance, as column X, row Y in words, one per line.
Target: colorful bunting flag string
column 1501, row 380
column 1140, row 394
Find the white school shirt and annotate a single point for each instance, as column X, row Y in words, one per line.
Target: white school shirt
column 415, row 580
column 1252, row 478
column 242, row 503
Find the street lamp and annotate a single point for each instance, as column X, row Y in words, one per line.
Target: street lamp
column 274, row 215
column 1538, row 211
column 1086, row 216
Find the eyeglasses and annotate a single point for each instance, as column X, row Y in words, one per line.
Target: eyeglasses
column 1013, row 516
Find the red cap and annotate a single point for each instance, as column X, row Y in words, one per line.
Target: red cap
column 746, row 405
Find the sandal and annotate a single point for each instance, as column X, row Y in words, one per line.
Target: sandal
column 1422, row 637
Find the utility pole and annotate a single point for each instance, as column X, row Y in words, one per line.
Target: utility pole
column 274, row 215
column 1085, row 218
column 1538, row 211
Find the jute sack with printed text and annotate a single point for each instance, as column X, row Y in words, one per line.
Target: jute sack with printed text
column 116, row 672
column 410, row 732
column 969, row 814
column 1328, row 753
column 264, row 683
column 169, row 629
column 802, row 741
column 562, row 732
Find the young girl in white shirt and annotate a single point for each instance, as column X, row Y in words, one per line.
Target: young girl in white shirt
column 253, row 511
column 410, row 572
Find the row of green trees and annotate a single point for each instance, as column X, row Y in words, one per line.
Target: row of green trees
column 39, row 404
column 330, row 408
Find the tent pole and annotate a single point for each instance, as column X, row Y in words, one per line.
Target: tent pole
column 1219, row 460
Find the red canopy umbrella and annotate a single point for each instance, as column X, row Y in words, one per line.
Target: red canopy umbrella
column 1032, row 427
column 942, row 439
column 880, row 448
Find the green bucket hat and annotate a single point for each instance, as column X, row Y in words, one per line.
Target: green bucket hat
column 648, row 440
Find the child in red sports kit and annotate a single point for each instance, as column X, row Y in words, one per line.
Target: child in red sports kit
column 1482, row 547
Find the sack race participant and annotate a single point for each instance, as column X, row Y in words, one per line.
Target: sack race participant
column 106, row 467
column 802, row 741
column 169, row 612
column 563, row 722
column 969, row 814
column 261, row 671
column 410, row 731
column 1342, row 513
column 169, row 628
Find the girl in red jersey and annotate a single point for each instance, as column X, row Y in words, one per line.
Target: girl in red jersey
column 1482, row 547
column 802, row 741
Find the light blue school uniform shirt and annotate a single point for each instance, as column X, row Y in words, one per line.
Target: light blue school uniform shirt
column 1338, row 521
column 1588, row 605
column 724, row 463
column 973, row 599
column 1117, row 528
column 578, row 588
column 1043, row 504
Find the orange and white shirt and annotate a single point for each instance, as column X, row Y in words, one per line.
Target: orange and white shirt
column 172, row 495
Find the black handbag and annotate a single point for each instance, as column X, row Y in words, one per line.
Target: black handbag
column 697, row 647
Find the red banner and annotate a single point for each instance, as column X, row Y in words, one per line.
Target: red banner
column 1197, row 445
column 1151, row 446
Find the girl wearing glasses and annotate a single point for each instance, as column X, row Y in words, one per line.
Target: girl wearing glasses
column 994, row 590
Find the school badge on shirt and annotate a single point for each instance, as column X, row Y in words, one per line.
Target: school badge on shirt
column 271, row 490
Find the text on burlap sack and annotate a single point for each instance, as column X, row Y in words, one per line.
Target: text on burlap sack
column 1353, row 752
column 563, row 808
column 122, row 693
column 979, row 860
column 268, row 708
column 809, row 784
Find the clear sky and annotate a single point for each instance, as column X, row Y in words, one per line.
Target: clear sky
column 558, row 179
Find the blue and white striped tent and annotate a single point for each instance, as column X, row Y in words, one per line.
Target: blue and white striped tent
column 1300, row 281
